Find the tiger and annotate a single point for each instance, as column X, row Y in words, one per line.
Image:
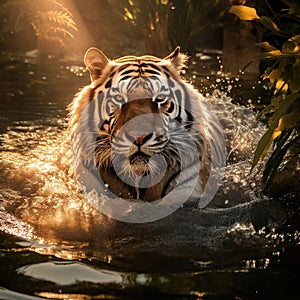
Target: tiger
column 139, row 125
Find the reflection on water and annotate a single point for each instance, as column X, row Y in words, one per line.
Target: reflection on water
column 69, row 273
column 51, row 237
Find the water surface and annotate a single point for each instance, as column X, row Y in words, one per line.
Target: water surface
column 54, row 245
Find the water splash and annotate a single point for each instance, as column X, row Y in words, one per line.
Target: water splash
column 39, row 193
column 41, row 202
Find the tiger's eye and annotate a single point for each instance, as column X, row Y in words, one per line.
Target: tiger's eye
column 105, row 126
column 160, row 98
column 119, row 98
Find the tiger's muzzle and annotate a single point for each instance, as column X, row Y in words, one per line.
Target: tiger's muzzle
column 140, row 132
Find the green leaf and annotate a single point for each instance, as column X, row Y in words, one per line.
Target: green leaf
column 270, row 54
column 288, row 46
column 245, row 13
column 277, row 157
column 266, row 46
column 267, row 139
column 294, row 6
column 296, row 38
column 288, row 121
column 268, row 23
column 285, row 105
column 295, row 85
column 273, row 76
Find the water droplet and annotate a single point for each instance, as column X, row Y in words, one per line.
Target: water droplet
column 236, row 179
column 243, row 182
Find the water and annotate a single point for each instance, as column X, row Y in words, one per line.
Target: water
column 54, row 245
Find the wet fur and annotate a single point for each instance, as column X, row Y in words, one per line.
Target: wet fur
column 99, row 147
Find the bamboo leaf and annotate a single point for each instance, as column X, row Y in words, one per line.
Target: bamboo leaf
column 245, row 13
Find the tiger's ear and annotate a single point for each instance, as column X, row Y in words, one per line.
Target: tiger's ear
column 96, row 61
column 177, row 59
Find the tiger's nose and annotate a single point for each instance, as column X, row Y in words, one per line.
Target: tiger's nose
column 138, row 139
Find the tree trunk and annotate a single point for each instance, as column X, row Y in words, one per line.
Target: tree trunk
column 239, row 46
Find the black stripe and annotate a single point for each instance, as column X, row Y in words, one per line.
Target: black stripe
column 171, row 83
column 128, row 77
column 166, row 71
column 190, row 118
column 128, row 72
column 100, row 97
column 91, row 96
column 153, row 66
column 108, row 83
column 151, row 72
column 178, row 99
column 121, row 68
column 97, row 85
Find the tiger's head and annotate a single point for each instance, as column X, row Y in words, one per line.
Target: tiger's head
column 140, row 124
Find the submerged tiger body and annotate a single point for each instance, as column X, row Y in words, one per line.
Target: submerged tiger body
column 140, row 126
